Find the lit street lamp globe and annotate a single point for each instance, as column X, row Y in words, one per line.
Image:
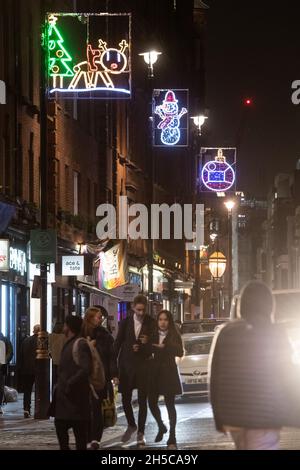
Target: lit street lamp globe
column 217, row 264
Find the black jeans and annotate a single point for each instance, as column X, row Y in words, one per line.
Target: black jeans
column 80, row 429
column 54, row 375
column 155, row 410
column 96, row 424
column 28, row 381
column 128, row 410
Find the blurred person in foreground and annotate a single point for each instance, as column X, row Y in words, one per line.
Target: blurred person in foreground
column 249, row 364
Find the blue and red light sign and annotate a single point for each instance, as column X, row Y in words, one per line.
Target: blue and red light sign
column 217, row 169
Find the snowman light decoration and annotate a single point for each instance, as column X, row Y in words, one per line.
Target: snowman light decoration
column 170, row 117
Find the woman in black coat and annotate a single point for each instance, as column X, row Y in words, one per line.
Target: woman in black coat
column 164, row 376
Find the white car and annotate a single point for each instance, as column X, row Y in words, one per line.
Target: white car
column 193, row 367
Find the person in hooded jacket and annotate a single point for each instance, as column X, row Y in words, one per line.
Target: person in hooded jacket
column 248, row 373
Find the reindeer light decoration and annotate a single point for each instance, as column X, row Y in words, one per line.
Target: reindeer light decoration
column 100, row 66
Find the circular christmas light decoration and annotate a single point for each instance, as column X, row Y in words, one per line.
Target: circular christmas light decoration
column 218, row 175
column 55, row 69
column 59, row 53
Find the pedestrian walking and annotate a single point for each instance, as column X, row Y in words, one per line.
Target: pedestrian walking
column 133, row 362
column 6, row 355
column 71, row 401
column 27, row 368
column 56, row 343
column 92, row 329
column 248, row 373
column 166, row 345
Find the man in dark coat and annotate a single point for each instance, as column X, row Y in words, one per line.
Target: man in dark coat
column 72, row 394
column 28, row 368
column 134, row 332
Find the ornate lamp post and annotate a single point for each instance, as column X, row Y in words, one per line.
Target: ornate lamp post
column 150, row 59
column 229, row 206
column 217, row 266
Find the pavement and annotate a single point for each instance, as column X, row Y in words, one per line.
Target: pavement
column 195, row 430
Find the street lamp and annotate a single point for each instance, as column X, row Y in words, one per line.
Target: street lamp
column 199, row 121
column 150, row 59
column 217, row 266
column 229, row 204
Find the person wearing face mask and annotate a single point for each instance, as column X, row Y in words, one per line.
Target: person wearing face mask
column 92, row 328
column 166, row 345
column 133, row 362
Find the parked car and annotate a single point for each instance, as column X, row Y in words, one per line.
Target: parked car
column 193, row 367
column 201, row 326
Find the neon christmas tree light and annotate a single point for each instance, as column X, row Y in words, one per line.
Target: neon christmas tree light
column 58, row 55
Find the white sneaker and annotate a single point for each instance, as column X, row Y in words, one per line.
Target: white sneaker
column 95, row 445
column 141, row 441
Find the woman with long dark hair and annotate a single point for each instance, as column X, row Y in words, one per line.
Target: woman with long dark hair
column 164, row 376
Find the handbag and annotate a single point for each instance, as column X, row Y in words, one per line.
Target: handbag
column 109, row 410
column 10, row 395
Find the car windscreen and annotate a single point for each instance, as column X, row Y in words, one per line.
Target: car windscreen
column 196, row 346
column 187, row 328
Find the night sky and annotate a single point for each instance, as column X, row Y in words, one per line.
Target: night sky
column 253, row 49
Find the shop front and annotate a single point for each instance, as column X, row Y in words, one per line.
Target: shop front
column 14, row 302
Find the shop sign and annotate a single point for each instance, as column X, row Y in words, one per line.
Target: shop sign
column 43, row 245
column 17, row 260
column 113, row 267
column 4, row 255
column 73, row 265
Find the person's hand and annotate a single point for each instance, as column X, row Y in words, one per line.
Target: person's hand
column 144, row 339
column 116, row 381
column 136, row 347
column 159, row 346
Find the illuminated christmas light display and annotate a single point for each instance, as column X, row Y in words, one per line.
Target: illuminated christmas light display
column 58, row 55
column 100, row 64
column 94, row 67
column 167, row 118
column 218, row 175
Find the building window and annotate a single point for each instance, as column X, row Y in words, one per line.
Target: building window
column 66, row 188
column 89, row 196
column 75, row 192
column 31, row 168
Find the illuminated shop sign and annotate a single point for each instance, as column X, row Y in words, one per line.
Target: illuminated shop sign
column 17, row 260
column 4, row 255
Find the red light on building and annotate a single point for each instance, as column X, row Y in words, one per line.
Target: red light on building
column 248, row 102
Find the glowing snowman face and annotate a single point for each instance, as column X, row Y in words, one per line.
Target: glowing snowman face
column 170, row 107
column 113, row 61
